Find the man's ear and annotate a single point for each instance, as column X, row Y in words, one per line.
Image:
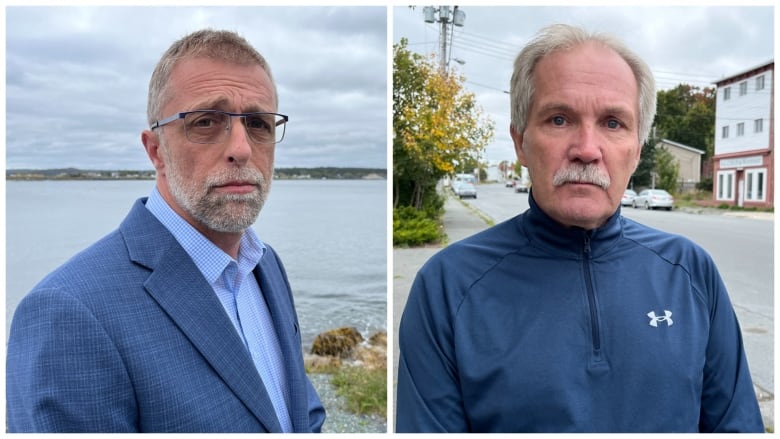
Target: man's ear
column 517, row 139
column 151, row 142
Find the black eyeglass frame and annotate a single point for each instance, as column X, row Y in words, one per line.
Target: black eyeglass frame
column 283, row 121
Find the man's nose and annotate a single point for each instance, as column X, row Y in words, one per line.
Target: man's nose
column 239, row 148
column 586, row 144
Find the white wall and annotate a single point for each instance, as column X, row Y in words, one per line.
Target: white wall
column 743, row 109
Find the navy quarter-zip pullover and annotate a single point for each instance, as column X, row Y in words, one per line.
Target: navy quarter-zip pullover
column 533, row 327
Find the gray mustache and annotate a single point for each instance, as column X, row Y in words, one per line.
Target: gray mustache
column 581, row 173
column 243, row 174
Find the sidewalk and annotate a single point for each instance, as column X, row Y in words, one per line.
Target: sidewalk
column 461, row 222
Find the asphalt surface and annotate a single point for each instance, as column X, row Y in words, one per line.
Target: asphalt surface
column 460, row 222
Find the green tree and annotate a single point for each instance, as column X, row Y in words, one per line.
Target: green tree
column 518, row 169
column 667, row 169
column 436, row 124
column 686, row 114
column 643, row 176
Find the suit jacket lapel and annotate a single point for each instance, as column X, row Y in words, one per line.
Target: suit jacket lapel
column 276, row 290
column 185, row 295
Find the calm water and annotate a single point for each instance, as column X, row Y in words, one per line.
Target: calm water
column 330, row 235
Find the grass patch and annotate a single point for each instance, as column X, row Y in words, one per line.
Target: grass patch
column 364, row 390
column 704, row 199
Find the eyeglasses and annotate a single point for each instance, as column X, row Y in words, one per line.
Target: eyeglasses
column 213, row 126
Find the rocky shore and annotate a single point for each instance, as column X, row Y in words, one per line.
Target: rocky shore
column 336, row 349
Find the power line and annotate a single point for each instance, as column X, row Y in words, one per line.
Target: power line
column 497, row 49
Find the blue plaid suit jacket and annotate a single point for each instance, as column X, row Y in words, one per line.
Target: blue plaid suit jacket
column 128, row 336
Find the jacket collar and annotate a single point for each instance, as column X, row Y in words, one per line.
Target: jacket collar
column 179, row 288
column 546, row 233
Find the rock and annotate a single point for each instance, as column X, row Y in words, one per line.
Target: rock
column 371, row 357
column 339, row 342
column 321, row 364
column 379, row 339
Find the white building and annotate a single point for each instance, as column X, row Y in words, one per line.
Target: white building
column 744, row 138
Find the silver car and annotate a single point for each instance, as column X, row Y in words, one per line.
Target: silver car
column 466, row 189
column 628, row 198
column 654, row 198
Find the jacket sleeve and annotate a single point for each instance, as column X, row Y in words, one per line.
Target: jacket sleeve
column 63, row 373
column 316, row 410
column 428, row 393
column 728, row 399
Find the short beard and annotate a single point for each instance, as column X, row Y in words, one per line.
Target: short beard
column 581, row 173
column 226, row 213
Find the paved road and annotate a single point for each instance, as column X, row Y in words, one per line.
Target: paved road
column 748, row 273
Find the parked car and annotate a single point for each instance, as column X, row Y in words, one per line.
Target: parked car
column 466, row 189
column 509, row 183
column 653, row 198
column 454, row 186
column 628, row 198
column 521, row 186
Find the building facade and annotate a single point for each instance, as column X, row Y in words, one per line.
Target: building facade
column 743, row 164
column 689, row 160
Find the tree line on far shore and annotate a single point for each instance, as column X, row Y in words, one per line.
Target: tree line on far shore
column 319, row 173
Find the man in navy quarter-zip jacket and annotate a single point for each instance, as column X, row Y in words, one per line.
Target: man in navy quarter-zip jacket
column 570, row 317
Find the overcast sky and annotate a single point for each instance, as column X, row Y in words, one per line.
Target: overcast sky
column 77, row 80
column 696, row 45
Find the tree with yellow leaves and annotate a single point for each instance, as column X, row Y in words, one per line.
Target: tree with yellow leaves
column 436, row 123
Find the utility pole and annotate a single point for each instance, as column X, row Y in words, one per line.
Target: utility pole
column 446, row 17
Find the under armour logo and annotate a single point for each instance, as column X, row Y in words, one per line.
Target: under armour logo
column 654, row 319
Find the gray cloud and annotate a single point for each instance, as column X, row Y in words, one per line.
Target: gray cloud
column 76, row 86
column 692, row 44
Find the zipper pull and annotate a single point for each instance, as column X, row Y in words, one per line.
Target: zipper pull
column 587, row 243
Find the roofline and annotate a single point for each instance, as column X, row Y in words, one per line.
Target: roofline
column 742, row 73
column 680, row 145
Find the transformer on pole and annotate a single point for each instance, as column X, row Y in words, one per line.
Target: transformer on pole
column 447, row 17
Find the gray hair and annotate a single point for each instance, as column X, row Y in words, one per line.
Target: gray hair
column 558, row 37
column 211, row 44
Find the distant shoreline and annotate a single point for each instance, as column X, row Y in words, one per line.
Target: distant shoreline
column 321, row 173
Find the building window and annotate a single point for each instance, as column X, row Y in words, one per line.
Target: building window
column 727, row 93
column 743, row 88
column 725, row 134
column 758, row 125
column 760, row 83
column 740, row 129
column 725, row 186
column 755, row 182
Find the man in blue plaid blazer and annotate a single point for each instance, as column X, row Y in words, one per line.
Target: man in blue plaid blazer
column 181, row 320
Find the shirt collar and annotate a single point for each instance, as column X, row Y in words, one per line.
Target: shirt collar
column 210, row 259
column 545, row 232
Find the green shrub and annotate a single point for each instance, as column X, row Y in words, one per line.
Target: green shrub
column 414, row 227
column 705, row 184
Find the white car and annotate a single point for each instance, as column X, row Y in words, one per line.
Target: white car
column 654, row 198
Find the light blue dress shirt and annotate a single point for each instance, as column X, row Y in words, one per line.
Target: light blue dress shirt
column 236, row 287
